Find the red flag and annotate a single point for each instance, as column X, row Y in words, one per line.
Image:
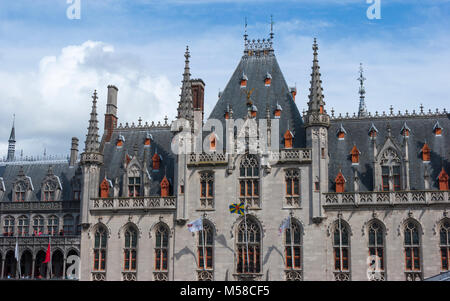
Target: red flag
column 47, row 254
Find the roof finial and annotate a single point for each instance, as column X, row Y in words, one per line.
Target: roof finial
column 245, row 31
column 362, row 111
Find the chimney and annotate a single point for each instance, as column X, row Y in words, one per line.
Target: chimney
column 198, row 95
column 73, row 152
column 111, row 112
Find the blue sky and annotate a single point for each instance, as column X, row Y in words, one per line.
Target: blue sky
column 49, row 64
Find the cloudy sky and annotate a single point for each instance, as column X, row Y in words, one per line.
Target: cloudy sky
column 50, row 64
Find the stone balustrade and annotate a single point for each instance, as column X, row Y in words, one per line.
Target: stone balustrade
column 135, row 203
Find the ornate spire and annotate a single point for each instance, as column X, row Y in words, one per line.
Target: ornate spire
column 362, row 111
column 316, row 103
column 245, row 32
column 92, row 144
column 271, row 27
column 186, row 103
column 316, row 114
column 12, row 142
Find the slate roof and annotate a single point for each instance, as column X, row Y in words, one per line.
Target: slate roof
column 256, row 68
column 421, row 131
column 160, row 143
column 37, row 171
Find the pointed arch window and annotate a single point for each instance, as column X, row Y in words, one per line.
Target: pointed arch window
column 76, row 190
column 161, row 247
column 341, row 247
column 390, row 170
column 38, row 225
column 20, row 192
column 376, row 244
column 53, row 225
column 292, row 179
column 100, row 248
column 249, row 181
column 444, row 244
column 207, row 189
column 205, row 246
column 412, row 244
column 134, row 181
column 8, row 226
column 23, row 226
column 68, row 225
column 293, row 246
column 130, row 249
column 49, row 192
column 248, row 247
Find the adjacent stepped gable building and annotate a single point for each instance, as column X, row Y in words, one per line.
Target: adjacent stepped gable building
column 362, row 197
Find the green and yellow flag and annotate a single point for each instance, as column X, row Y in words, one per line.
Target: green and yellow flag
column 237, row 208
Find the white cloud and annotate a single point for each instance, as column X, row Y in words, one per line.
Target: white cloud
column 52, row 102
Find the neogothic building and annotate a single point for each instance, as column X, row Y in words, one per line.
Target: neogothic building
column 365, row 197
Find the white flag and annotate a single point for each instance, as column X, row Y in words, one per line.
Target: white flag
column 196, row 225
column 16, row 252
column 286, row 224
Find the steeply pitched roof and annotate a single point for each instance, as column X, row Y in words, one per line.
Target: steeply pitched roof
column 256, row 65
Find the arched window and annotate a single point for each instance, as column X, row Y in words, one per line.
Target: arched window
column 161, row 247
column 412, row 246
column 38, row 225
column 293, row 246
column 390, row 168
column 130, row 250
column 248, row 247
column 444, row 244
column 53, row 225
column 20, row 191
column 292, row 179
column 23, row 226
column 134, row 181
column 205, row 246
column 249, row 181
column 8, row 226
column 341, row 247
column 68, row 225
column 376, row 244
column 207, row 189
column 49, row 192
column 100, row 243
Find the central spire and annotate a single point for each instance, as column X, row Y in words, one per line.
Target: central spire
column 12, row 142
column 186, row 103
column 362, row 111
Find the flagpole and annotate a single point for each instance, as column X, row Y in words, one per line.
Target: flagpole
column 246, row 240
column 203, row 235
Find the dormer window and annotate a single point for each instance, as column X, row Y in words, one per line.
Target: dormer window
column 340, row 182
column 51, row 187
column 293, row 92
column 104, row 188
column 443, row 180
column 20, row 192
column 147, row 140
column 355, row 155
column 278, row 110
column 288, row 139
column 244, row 80
column 134, row 181
column 268, row 80
column 437, row 129
column 212, row 142
column 120, row 141
column 156, row 162
column 405, row 131
column 49, row 192
column 253, row 111
column 341, row 133
column 373, row 132
column 165, row 186
column 426, row 153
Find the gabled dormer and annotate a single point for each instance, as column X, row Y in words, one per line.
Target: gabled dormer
column 443, row 180
column 244, row 80
column 426, row 153
column 51, row 187
column 268, row 79
column 120, row 141
column 354, row 153
column 341, row 133
column 437, row 129
column 340, row 182
column 105, row 187
column 278, row 110
column 288, row 139
column 22, row 187
column 373, row 132
column 148, row 139
column 165, row 187
column 405, row 130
